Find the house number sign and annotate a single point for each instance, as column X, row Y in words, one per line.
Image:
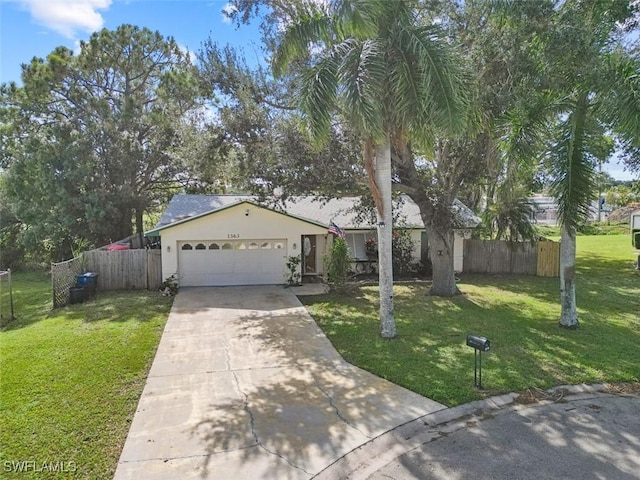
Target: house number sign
column 233, row 235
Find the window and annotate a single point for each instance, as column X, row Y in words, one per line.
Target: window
column 200, row 246
column 227, row 246
column 356, row 243
column 187, row 246
column 241, row 246
column 266, row 246
column 253, row 246
column 278, row 245
column 214, row 246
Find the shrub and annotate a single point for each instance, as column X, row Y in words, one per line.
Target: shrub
column 338, row 262
column 294, row 272
column 170, row 286
column 402, row 247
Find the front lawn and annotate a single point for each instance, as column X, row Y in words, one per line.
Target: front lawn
column 518, row 313
column 71, row 378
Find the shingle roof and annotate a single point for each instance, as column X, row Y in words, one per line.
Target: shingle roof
column 342, row 211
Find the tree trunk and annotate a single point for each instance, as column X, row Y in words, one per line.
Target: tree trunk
column 121, row 227
column 385, row 235
column 441, row 250
column 139, row 220
column 568, row 313
column 441, row 237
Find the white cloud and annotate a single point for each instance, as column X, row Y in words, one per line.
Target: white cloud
column 67, row 16
column 227, row 11
column 192, row 56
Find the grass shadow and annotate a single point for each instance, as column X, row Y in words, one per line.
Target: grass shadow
column 521, row 320
column 33, row 304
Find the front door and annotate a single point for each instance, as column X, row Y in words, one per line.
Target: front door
column 308, row 254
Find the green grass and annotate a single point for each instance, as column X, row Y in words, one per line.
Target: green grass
column 71, row 378
column 595, row 228
column 519, row 314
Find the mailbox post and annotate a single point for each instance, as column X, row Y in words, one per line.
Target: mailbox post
column 479, row 345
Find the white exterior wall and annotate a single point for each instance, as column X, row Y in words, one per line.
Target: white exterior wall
column 234, row 223
column 458, row 250
column 458, row 247
column 416, row 237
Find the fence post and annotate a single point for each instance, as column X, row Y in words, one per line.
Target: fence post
column 7, row 313
column 11, row 295
column 146, row 269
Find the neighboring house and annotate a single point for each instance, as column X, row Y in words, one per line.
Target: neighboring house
column 545, row 210
column 212, row 240
column 634, row 221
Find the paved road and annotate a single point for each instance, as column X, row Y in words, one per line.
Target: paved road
column 588, row 435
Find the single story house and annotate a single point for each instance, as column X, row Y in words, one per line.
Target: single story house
column 210, row 240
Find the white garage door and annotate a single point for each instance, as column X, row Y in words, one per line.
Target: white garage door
column 232, row 262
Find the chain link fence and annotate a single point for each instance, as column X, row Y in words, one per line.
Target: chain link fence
column 63, row 277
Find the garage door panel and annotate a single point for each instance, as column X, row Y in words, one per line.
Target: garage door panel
column 237, row 262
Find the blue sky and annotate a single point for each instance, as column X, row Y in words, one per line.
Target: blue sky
column 31, row 28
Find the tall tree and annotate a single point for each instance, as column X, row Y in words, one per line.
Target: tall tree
column 388, row 72
column 12, row 249
column 499, row 44
column 90, row 134
column 597, row 83
column 261, row 131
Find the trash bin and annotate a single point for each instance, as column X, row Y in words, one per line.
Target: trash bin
column 89, row 281
column 76, row 295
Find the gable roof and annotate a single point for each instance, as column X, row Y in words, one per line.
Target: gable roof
column 341, row 211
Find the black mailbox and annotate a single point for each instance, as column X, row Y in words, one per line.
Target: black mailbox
column 479, row 343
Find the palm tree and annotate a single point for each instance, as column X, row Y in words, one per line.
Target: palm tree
column 390, row 76
column 599, row 87
column 573, row 189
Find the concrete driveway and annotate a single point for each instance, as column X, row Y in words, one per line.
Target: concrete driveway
column 245, row 385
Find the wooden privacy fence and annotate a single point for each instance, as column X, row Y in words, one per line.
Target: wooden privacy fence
column 125, row 269
column 499, row 256
column 117, row 270
column 548, row 259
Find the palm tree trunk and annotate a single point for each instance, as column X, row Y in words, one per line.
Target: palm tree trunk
column 385, row 236
column 568, row 313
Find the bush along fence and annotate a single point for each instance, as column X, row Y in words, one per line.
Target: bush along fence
column 116, row 270
column 499, row 256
